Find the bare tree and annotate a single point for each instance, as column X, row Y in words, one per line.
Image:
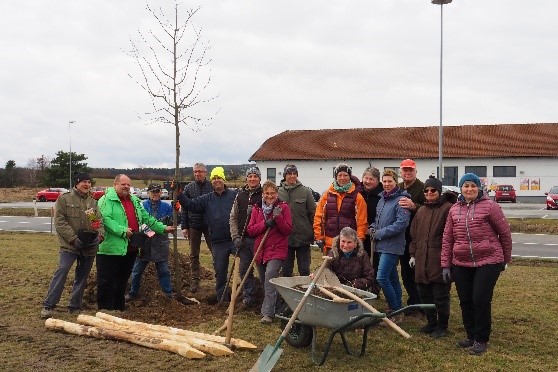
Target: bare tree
column 173, row 69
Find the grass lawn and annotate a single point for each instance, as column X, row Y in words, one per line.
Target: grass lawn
column 525, row 325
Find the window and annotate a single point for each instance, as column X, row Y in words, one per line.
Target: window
column 503, row 171
column 479, row 170
column 271, row 174
column 450, row 176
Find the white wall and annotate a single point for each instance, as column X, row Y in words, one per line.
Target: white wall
column 319, row 174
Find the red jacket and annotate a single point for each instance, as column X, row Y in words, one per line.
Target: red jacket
column 276, row 245
column 476, row 234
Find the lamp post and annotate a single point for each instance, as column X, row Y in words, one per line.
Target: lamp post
column 441, row 128
column 70, row 133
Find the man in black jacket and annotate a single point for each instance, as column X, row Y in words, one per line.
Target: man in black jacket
column 194, row 224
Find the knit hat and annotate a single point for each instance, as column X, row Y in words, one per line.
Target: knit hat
column 341, row 167
column 78, row 177
column 470, row 177
column 217, row 172
column 290, row 168
column 434, row 183
column 154, row 186
column 254, row 170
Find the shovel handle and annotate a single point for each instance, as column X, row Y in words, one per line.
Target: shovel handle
column 333, row 296
column 371, row 308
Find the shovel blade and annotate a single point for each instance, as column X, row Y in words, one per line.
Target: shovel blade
column 267, row 359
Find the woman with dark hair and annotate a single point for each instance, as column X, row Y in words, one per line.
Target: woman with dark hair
column 370, row 191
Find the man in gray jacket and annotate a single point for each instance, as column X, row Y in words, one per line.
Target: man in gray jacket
column 79, row 227
column 303, row 208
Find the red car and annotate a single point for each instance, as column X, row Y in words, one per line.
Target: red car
column 50, row 194
column 97, row 192
column 552, row 198
column 504, row 193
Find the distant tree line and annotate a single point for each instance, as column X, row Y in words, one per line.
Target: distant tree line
column 55, row 172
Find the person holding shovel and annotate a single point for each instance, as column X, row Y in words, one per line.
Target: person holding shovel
column 273, row 215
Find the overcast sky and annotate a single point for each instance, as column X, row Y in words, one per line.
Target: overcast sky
column 277, row 65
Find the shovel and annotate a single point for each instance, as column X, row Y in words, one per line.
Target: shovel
column 271, row 354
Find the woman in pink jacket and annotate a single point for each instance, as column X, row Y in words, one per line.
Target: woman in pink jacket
column 476, row 248
column 273, row 215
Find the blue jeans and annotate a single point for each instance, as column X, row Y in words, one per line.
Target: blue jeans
column 163, row 273
column 83, row 268
column 221, row 253
column 388, row 279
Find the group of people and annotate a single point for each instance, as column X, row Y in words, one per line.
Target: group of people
column 369, row 227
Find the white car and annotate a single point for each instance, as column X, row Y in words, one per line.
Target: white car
column 453, row 189
column 165, row 194
column 142, row 194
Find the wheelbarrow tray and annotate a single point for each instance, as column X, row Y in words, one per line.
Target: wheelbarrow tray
column 323, row 312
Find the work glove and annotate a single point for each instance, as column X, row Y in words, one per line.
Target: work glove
column 412, row 262
column 270, row 223
column 78, row 244
column 320, row 244
column 446, row 275
column 371, row 232
column 237, row 243
column 504, row 267
column 277, row 211
column 97, row 240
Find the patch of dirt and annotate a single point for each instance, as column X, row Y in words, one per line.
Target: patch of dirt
column 152, row 306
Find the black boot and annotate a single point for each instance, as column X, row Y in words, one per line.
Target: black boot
column 442, row 328
column 432, row 323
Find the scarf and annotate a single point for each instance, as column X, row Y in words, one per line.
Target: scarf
column 342, row 189
column 387, row 194
column 267, row 208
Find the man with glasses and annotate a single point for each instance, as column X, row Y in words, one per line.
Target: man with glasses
column 303, row 207
column 415, row 188
column 194, row 224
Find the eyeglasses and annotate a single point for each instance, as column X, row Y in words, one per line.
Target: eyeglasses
column 431, row 191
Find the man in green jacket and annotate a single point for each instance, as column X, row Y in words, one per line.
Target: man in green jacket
column 79, row 229
column 125, row 221
column 303, row 208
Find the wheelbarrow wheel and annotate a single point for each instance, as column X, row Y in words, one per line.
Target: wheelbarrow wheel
column 299, row 336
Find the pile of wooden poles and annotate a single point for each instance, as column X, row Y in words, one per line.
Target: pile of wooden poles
column 192, row 345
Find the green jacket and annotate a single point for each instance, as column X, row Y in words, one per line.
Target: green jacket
column 70, row 217
column 303, row 208
column 116, row 222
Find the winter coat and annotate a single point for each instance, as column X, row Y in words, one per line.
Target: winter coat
column 217, row 209
column 391, row 222
column 334, row 206
column 190, row 219
column 372, row 197
column 416, row 190
column 303, row 208
column 156, row 248
column 427, row 230
column 355, row 271
column 476, row 234
column 116, row 222
column 70, row 217
column 276, row 245
column 241, row 210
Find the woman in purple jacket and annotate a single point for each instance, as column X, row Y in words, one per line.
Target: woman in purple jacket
column 273, row 215
column 476, row 247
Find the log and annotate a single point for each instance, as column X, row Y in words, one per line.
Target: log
column 241, row 344
column 209, row 347
column 106, row 334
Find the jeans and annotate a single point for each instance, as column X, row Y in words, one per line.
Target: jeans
column 112, row 278
column 163, row 273
column 221, row 253
column 246, row 254
column 475, row 287
column 302, row 254
column 268, row 271
column 194, row 235
column 388, row 279
column 83, row 268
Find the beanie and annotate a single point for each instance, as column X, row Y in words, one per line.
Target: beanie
column 470, row 177
column 254, row 170
column 217, row 172
column 290, row 168
column 341, row 168
column 78, row 177
column 434, row 183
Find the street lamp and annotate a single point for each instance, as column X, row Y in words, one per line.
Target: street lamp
column 441, row 129
column 70, row 133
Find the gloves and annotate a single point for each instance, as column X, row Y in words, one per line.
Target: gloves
column 97, row 240
column 446, row 274
column 412, row 262
column 277, row 211
column 78, row 244
column 371, row 232
column 270, row 223
column 504, row 267
column 320, row 244
column 237, row 243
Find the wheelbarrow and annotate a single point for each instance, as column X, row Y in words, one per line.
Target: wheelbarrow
column 319, row 311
